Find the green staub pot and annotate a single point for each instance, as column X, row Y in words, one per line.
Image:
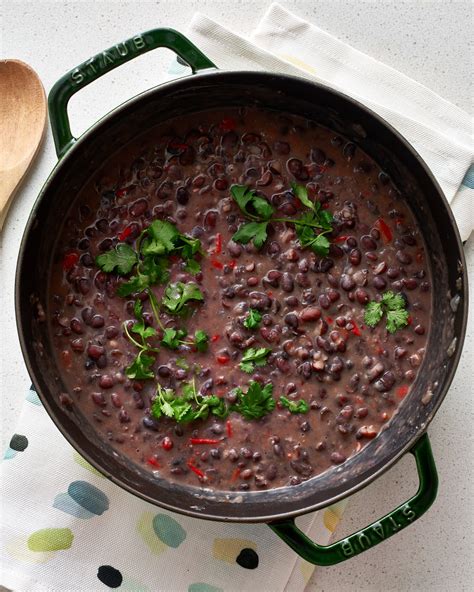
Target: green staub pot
column 209, row 88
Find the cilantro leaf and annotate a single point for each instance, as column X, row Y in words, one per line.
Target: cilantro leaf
column 251, row 204
column 256, row 231
column 160, row 236
column 253, row 319
column 393, row 301
column 140, row 368
column 139, row 327
column 394, row 307
column 305, row 230
column 189, row 246
column 150, row 271
column 373, row 313
column 201, row 340
column 122, row 259
column 396, row 319
column 256, row 402
column 253, row 357
column 300, row 406
column 172, row 338
column 193, row 266
column 178, row 295
column 301, row 193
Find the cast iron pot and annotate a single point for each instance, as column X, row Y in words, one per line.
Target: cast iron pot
column 212, row 88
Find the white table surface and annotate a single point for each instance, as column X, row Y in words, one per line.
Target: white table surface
column 428, row 40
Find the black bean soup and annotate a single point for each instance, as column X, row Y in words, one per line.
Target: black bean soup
column 259, row 363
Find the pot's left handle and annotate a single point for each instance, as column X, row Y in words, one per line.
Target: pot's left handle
column 106, row 61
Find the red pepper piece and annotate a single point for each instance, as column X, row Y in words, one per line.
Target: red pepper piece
column 235, row 475
column 195, row 470
column 329, row 320
column 121, row 192
column 356, row 329
column 174, row 258
column 70, row 260
column 232, row 263
column 126, row 232
column 340, row 239
column 385, row 229
column 223, row 359
column 216, row 264
column 204, row 441
column 410, row 320
column 215, row 338
column 153, row 462
column 227, row 124
column 167, row 443
column 228, row 425
column 402, row 391
column 218, row 245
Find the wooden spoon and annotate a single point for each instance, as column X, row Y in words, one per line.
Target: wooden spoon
column 22, row 125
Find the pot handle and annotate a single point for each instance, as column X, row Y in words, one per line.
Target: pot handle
column 106, row 61
column 376, row 532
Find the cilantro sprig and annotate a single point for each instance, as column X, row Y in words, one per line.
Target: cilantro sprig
column 254, row 357
column 141, row 367
column 253, row 319
column 149, row 260
column 188, row 407
column 300, row 406
column 393, row 306
column 177, row 296
column 311, row 227
column 173, row 338
column 256, row 402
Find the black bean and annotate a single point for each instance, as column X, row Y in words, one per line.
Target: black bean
column 404, row 257
column 99, row 399
column 337, row 458
column 347, row 282
column 368, row 242
column 95, row 351
column 97, row 321
column 379, row 282
column 301, row 467
column 281, row 147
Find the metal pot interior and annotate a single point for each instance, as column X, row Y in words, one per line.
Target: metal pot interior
column 344, row 116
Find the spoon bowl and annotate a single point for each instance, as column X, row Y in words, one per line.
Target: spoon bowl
column 22, row 125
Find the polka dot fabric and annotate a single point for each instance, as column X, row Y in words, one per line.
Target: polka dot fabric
column 65, row 527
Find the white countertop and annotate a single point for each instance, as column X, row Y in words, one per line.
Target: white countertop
column 426, row 40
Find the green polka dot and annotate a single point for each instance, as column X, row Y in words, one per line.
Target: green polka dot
column 168, row 530
column 202, row 587
column 50, row 539
column 82, row 461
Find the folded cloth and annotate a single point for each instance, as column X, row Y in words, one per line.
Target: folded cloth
column 66, row 527
column 441, row 132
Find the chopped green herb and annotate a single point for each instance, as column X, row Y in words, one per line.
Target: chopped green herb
column 394, row 307
column 311, row 227
column 178, row 295
column 300, row 406
column 256, row 402
column 121, row 259
column 201, row 340
column 140, row 368
column 253, row 231
column 253, row 319
column 193, row 266
column 172, row 338
column 150, row 258
column 252, row 358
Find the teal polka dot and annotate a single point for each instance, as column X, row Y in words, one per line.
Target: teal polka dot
column 32, row 397
column 202, row 587
column 168, row 530
column 89, row 497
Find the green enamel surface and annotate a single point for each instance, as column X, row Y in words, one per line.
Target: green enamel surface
column 106, row 61
column 376, row 532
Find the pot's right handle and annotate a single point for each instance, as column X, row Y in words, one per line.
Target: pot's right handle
column 376, row 532
column 106, row 61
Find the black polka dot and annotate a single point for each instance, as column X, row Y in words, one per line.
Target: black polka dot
column 248, row 558
column 109, row 576
column 18, row 442
column 32, row 388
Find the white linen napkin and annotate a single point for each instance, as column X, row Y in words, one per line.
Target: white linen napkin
column 65, row 527
column 282, row 42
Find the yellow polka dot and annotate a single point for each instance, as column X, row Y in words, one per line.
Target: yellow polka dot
column 297, row 62
column 228, row 549
column 82, row 461
column 331, row 520
column 145, row 530
column 18, row 549
column 306, row 569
